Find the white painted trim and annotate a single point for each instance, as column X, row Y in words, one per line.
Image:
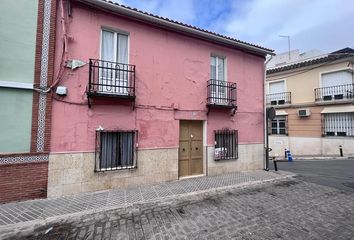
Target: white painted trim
column 348, row 69
column 18, row 85
column 115, row 31
column 225, row 65
column 278, row 80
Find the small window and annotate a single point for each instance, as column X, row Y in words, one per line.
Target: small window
column 278, row 125
column 115, row 150
column 338, row 124
column 226, row 144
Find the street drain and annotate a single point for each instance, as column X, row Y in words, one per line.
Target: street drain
column 349, row 184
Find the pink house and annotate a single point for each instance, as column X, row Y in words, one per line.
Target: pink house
column 143, row 99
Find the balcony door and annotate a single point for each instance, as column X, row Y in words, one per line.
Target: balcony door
column 276, row 93
column 218, row 80
column 114, row 74
column 337, row 85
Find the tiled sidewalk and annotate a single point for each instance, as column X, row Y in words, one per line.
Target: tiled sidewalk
column 14, row 213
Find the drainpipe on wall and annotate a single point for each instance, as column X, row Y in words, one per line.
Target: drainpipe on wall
column 65, row 37
column 265, row 115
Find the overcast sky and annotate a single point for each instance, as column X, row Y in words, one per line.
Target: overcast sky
column 326, row 25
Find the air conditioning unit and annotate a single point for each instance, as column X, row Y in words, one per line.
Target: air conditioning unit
column 305, row 112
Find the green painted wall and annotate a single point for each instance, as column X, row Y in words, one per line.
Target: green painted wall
column 18, row 26
column 15, row 119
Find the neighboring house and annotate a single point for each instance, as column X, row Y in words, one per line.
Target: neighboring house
column 291, row 57
column 27, row 30
column 157, row 100
column 314, row 101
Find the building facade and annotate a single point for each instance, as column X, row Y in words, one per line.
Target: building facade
column 314, row 104
column 26, row 72
column 144, row 99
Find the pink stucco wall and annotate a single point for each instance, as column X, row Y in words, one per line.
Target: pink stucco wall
column 171, row 78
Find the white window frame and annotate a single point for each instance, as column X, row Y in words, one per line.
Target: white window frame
column 275, row 81
column 115, row 31
column 275, row 98
column 117, row 90
column 218, row 92
column 277, row 119
column 332, row 71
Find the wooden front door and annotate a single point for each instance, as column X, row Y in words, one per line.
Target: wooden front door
column 190, row 148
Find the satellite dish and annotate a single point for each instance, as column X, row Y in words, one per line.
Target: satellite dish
column 270, row 113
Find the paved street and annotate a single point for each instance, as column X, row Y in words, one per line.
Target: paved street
column 290, row 209
column 286, row 209
column 333, row 173
column 19, row 218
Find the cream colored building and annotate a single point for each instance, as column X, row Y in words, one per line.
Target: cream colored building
column 314, row 102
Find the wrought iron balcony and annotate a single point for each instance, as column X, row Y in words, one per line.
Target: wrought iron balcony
column 279, row 98
column 335, row 93
column 221, row 94
column 111, row 79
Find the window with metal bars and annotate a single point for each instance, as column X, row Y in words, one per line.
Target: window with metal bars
column 226, row 144
column 115, row 150
column 279, row 125
column 338, row 124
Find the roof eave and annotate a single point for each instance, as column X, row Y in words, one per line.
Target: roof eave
column 174, row 26
column 320, row 62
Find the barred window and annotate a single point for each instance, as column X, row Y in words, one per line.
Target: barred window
column 115, row 150
column 278, row 125
column 338, row 124
column 226, row 144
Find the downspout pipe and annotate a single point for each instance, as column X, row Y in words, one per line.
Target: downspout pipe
column 65, row 37
column 266, row 137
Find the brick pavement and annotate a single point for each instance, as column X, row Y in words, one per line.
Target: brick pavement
column 12, row 215
column 286, row 209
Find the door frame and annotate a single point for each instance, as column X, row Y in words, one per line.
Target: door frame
column 204, row 152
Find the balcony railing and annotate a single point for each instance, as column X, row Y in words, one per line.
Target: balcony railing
column 279, row 98
column 221, row 93
column 111, row 79
column 340, row 92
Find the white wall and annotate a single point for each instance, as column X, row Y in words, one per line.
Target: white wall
column 302, row 146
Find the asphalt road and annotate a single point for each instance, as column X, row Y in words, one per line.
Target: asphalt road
column 333, row 173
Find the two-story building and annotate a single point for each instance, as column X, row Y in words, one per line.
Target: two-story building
column 144, row 99
column 27, row 30
column 314, row 101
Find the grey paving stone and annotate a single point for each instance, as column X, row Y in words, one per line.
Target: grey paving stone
column 44, row 208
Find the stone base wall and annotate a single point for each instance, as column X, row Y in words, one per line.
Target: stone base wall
column 305, row 146
column 250, row 157
column 73, row 173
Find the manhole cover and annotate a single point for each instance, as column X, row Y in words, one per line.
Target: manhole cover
column 349, row 184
